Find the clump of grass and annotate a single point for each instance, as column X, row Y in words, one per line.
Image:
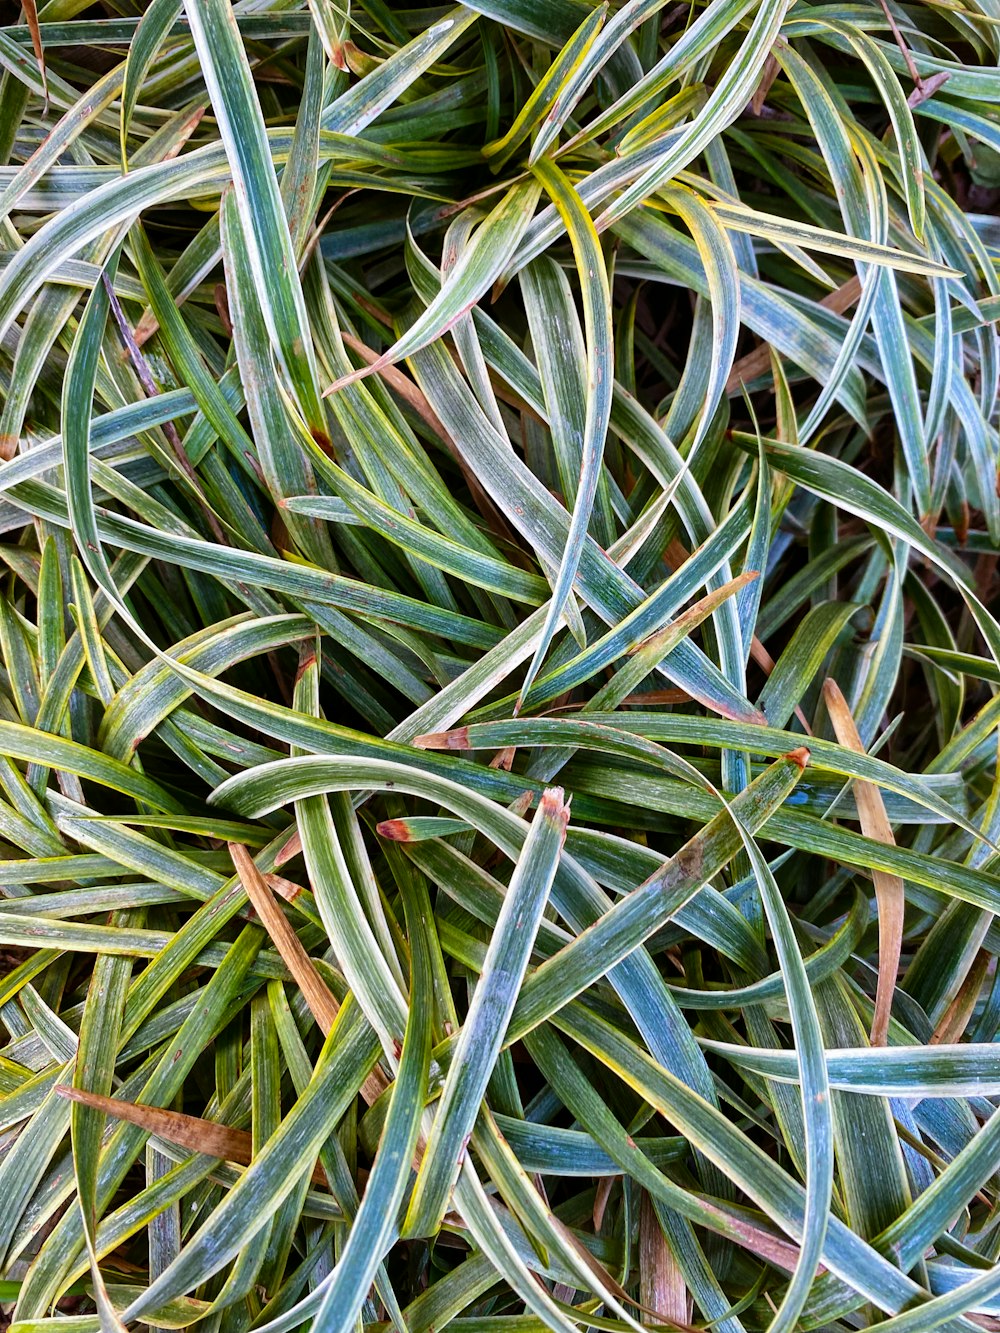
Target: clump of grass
column 498, row 720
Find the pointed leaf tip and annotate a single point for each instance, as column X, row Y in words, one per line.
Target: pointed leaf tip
column 396, row 830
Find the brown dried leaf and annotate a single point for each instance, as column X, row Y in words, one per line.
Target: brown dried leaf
column 187, row 1131
column 888, row 888
column 662, row 1288
column 956, row 1017
column 31, row 18
column 767, row 78
column 321, row 1001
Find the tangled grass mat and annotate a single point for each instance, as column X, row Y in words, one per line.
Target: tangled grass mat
column 499, row 800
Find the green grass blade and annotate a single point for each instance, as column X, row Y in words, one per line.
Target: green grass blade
column 489, row 1013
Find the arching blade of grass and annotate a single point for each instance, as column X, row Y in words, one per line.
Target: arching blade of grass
column 897, row 1071
column 596, row 295
column 604, row 585
column 155, row 25
column 493, row 245
column 228, row 79
column 830, row 242
column 599, row 729
column 719, row 262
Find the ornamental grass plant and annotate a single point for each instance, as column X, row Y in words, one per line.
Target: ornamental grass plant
column 499, row 793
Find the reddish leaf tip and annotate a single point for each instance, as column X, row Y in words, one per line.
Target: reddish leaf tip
column 396, row 830
column 307, row 660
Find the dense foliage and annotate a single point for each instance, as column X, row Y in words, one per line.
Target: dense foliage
column 498, row 718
